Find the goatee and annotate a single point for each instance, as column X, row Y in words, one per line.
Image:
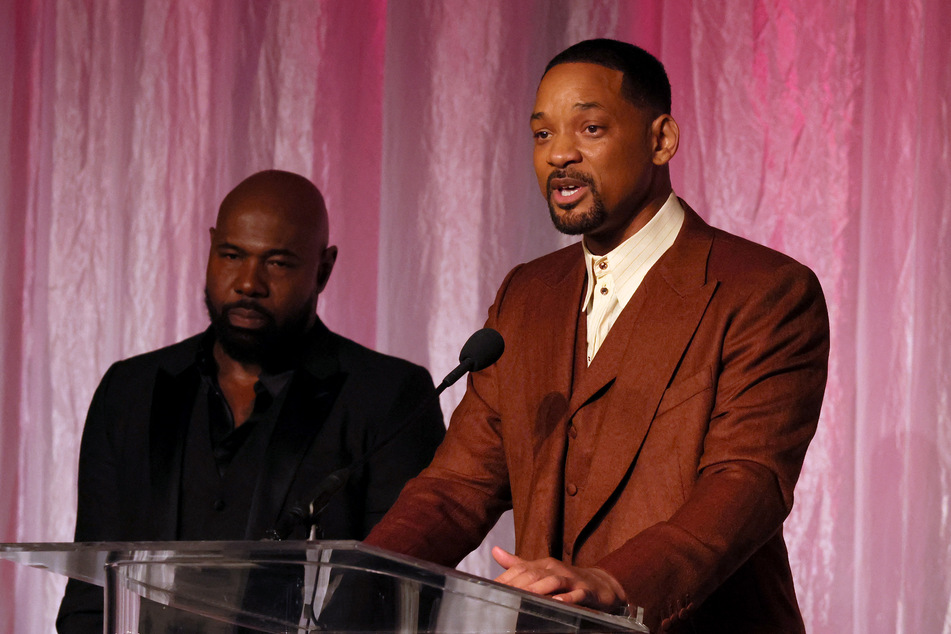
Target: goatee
column 580, row 223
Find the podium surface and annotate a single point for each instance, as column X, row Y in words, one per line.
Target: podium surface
column 298, row 586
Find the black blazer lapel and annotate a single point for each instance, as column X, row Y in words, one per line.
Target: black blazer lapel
column 173, row 399
column 310, row 398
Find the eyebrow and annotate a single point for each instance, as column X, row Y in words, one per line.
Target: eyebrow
column 581, row 105
column 588, row 105
column 269, row 253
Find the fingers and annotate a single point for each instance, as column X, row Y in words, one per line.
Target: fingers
column 543, row 576
column 538, row 576
column 578, row 596
column 590, row 592
column 522, row 573
column 548, row 584
column 537, row 580
column 590, row 587
column 514, row 566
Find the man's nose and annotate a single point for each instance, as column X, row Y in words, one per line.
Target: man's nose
column 563, row 151
column 251, row 280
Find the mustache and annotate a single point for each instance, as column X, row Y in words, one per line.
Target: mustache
column 247, row 304
column 564, row 173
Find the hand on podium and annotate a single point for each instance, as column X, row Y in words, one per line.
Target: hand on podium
column 589, row 587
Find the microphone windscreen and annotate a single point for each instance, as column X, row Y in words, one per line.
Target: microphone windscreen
column 482, row 349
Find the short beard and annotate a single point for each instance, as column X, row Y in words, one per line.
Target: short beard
column 577, row 224
column 273, row 346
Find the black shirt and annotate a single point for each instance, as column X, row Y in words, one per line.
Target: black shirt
column 222, row 462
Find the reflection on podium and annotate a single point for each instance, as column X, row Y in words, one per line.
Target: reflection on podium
column 296, row 587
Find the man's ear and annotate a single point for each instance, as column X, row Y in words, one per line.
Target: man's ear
column 666, row 135
column 327, row 260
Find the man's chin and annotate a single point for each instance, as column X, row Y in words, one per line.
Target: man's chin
column 571, row 220
column 244, row 345
column 270, row 348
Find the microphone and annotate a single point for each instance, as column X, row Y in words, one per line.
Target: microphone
column 482, row 349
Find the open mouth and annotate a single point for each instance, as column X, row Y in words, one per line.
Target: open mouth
column 566, row 190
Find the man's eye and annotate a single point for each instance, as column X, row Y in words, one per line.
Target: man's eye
column 282, row 264
column 541, row 135
column 593, row 129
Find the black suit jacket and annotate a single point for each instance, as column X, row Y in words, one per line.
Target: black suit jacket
column 344, row 400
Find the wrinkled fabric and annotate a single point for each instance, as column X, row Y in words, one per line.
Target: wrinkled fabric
column 819, row 129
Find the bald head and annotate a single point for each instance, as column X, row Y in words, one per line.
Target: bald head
column 289, row 195
column 268, row 262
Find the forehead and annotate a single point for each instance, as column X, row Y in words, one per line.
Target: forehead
column 574, row 85
column 262, row 224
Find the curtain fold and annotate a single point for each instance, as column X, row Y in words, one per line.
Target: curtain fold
column 820, row 129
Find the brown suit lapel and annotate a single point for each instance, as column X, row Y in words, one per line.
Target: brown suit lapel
column 560, row 319
column 604, row 367
column 641, row 354
column 557, row 308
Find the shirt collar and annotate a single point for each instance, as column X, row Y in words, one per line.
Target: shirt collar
column 670, row 214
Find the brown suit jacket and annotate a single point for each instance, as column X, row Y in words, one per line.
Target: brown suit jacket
column 670, row 461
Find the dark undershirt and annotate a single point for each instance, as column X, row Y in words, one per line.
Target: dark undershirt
column 226, row 439
column 222, row 463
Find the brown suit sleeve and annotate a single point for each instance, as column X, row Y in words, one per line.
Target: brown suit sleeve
column 444, row 513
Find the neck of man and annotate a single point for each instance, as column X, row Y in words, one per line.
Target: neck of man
column 233, row 370
column 601, row 244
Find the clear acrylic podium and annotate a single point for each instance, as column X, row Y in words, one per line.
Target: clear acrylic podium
column 295, row 587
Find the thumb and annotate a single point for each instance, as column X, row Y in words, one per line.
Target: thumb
column 504, row 558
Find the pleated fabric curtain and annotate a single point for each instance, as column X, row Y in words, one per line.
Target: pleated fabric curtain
column 820, row 129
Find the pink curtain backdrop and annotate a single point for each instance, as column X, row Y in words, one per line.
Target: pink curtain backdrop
column 819, row 128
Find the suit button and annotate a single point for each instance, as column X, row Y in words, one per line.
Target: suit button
column 571, row 490
column 219, row 505
column 572, row 431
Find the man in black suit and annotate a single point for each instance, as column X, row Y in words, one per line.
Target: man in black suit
column 219, row 436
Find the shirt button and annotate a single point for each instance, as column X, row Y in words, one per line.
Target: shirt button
column 604, row 290
column 603, row 264
column 571, row 490
column 219, row 505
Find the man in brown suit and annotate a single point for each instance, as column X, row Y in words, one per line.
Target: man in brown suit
column 661, row 383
